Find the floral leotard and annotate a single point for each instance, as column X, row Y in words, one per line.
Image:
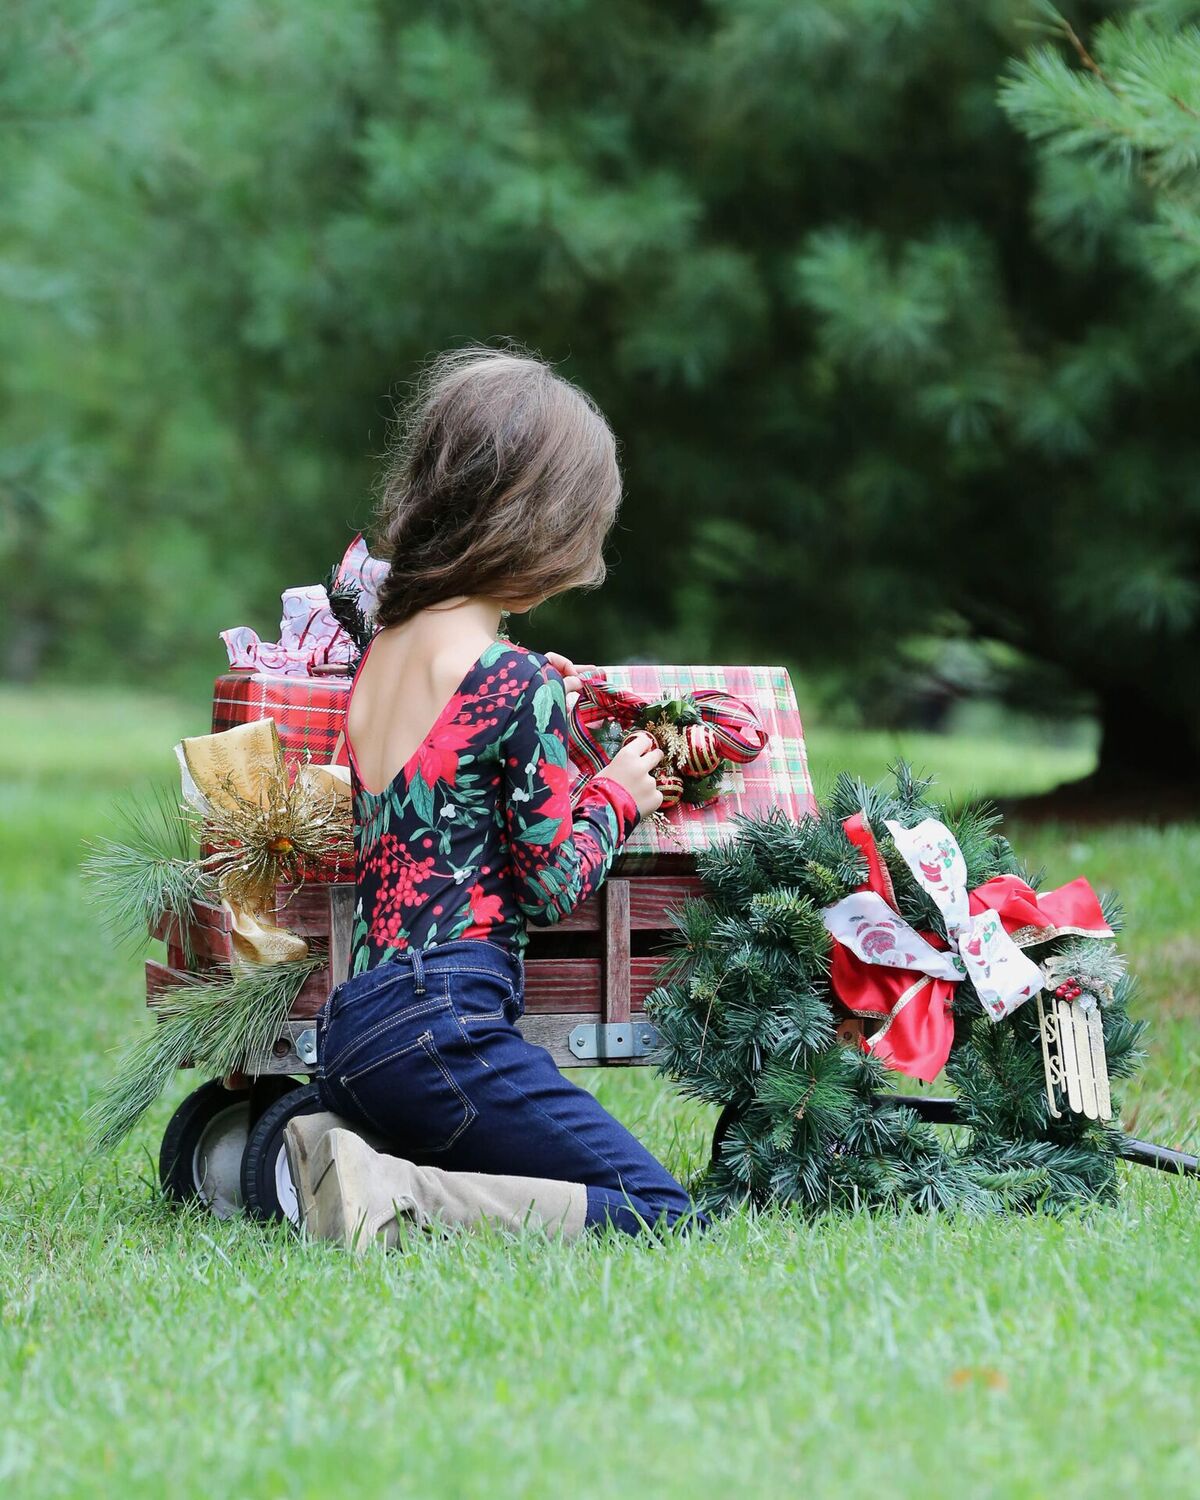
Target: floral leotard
column 476, row 834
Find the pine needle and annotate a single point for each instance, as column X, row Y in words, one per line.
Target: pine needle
column 213, row 1024
column 148, row 874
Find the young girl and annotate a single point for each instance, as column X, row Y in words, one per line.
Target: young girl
column 503, row 492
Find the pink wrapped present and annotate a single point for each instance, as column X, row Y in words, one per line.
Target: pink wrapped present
column 309, row 636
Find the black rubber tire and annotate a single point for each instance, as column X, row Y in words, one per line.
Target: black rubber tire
column 215, row 1117
column 728, row 1116
column 266, row 1181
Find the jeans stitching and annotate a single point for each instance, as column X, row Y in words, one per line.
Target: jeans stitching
column 587, row 1146
column 557, row 1124
column 456, row 970
column 342, row 1002
column 507, row 954
column 512, row 967
column 500, row 1014
column 428, row 1046
column 466, row 1036
column 472, row 1114
column 405, row 1012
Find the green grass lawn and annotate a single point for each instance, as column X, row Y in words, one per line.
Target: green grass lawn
column 145, row 1351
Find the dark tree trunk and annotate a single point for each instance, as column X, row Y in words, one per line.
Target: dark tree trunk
column 1149, row 770
column 1142, row 741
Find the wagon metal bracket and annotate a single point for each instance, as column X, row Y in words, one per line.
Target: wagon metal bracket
column 603, row 1042
column 306, row 1045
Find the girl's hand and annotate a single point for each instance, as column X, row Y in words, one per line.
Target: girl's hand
column 632, row 767
column 570, row 676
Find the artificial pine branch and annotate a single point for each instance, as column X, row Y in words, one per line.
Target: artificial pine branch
column 215, row 1024
column 149, row 873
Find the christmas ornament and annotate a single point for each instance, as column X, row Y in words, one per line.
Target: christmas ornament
column 700, row 735
column 1072, row 1034
column 671, row 787
column 1073, row 1056
column 701, row 753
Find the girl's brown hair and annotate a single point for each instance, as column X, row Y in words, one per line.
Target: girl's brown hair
column 504, row 484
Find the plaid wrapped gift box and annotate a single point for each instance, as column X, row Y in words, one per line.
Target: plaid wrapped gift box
column 778, row 777
column 310, row 713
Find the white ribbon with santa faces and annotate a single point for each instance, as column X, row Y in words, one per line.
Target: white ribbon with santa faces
column 980, row 948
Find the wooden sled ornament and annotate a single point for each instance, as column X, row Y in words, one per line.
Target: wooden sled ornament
column 1073, row 1055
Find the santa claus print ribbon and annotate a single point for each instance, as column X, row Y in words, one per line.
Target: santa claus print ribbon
column 882, row 966
column 739, row 735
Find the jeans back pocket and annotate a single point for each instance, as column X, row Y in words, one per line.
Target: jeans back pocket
column 481, row 998
column 407, row 1093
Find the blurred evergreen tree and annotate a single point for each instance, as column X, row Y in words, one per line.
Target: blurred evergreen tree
column 879, row 365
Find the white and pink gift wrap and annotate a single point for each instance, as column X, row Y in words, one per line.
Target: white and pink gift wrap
column 309, row 636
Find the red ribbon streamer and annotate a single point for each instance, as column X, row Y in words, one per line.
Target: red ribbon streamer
column 919, row 1030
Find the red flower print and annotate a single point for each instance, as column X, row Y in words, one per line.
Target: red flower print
column 558, row 779
column 485, row 910
column 472, row 873
column 437, row 756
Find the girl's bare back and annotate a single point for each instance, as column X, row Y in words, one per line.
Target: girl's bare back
column 404, row 685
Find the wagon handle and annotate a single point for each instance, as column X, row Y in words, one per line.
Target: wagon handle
column 937, row 1111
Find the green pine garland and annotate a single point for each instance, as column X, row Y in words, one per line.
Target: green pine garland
column 747, row 1019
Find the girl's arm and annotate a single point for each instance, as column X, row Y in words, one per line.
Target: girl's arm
column 559, row 855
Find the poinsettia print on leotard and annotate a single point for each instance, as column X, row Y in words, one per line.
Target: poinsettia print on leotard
column 476, row 835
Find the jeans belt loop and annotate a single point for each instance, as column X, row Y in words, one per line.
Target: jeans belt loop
column 418, row 964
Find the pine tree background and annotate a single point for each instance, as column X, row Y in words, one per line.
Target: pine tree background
column 748, row 1021
column 895, row 308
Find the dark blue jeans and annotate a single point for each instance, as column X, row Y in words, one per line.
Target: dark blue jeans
column 423, row 1050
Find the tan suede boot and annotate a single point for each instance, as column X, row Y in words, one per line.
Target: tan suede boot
column 301, row 1136
column 359, row 1195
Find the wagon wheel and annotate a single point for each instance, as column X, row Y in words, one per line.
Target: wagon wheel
column 728, row 1117
column 201, row 1152
column 266, row 1180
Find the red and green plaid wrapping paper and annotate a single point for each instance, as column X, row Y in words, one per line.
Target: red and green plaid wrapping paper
column 310, row 713
column 778, row 777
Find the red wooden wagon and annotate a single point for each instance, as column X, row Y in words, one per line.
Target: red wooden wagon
column 586, row 978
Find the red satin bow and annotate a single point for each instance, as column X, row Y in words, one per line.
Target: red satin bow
column 918, row 1032
column 740, row 735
